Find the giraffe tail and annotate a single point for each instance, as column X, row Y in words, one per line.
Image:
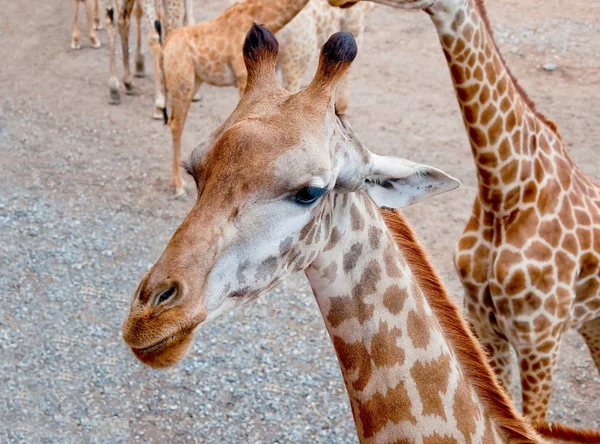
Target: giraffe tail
column 158, row 27
column 564, row 433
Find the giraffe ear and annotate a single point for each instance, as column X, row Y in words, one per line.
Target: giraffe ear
column 337, row 55
column 260, row 57
column 393, row 182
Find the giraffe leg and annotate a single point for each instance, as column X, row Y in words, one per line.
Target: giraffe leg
column 113, row 81
column 537, row 372
column 124, row 24
column 89, row 13
column 500, row 358
column 76, row 34
column 182, row 84
column 97, row 21
column 591, row 333
column 139, row 57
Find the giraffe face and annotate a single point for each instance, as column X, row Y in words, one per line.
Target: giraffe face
column 267, row 183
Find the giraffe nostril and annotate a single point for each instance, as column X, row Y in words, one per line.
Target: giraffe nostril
column 166, row 295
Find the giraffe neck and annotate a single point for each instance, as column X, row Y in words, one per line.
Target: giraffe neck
column 401, row 373
column 506, row 133
column 274, row 14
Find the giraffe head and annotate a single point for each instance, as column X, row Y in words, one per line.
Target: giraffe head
column 268, row 180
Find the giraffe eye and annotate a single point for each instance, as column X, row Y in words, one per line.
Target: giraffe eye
column 308, row 195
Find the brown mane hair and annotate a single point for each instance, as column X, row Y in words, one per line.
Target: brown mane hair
column 513, row 426
column 473, row 361
column 480, row 5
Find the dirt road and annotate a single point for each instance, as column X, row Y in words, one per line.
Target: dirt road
column 85, row 208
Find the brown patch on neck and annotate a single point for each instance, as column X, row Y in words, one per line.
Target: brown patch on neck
column 478, row 372
column 481, row 9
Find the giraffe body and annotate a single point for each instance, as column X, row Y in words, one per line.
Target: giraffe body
column 211, row 52
column 285, row 186
column 529, row 258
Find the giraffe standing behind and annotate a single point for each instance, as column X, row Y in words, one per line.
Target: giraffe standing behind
column 211, row 52
column 285, row 186
column 529, row 258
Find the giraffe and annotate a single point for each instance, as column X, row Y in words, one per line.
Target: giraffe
column 211, row 52
column 92, row 15
column 175, row 12
column 300, row 39
column 285, row 186
column 529, row 257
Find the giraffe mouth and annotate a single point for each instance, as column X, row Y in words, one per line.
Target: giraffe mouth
column 166, row 352
column 161, row 344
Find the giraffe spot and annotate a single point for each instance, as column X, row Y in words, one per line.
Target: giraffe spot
column 437, row 439
column 545, row 347
column 566, row 214
column 551, row 231
column 384, row 348
column 484, row 96
column 457, row 73
column 368, row 281
column 501, row 87
column 530, row 192
column 447, row 40
column 564, row 302
column 374, row 237
column 477, row 136
column 306, row 230
column 565, row 268
column 521, row 326
column 353, row 356
column 266, row 268
column 471, row 60
column 459, row 47
column 466, row 412
column 431, row 379
column 392, row 267
column 356, row 219
column 496, row 130
column 330, row 272
column 585, row 238
column 517, row 283
column 477, row 40
column 487, row 114
column 393, row 407
column 541, row 278
column 459, row 19
column 538, row 251
column 490, row 71
column 466, row 94
column 467, row 242
column 334, row 238
column 505, row 260
column 538, row 170
column 508, row 172
column 564, row 173
column 354, row 307
column 504, row 149
column 582, row 217
column 393, row 299
column 463, row 265
column 551, row 304
column 488, row 160
column 512, row 198
column 285, row 246
column 503, row 307
column 523, row 228
column 418, row 325
column 588, row 288
column 541, row 323
column 480, row 268
column 352, row 256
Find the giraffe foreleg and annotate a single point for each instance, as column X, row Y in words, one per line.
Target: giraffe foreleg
column 591, row 333
column 76, row 34
column 124, row 24
column 139, row 57
column 97, row 20
column 113, row 81
column 89, row 15
column 538, row 363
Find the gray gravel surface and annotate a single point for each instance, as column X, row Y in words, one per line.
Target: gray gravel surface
column 85, row 209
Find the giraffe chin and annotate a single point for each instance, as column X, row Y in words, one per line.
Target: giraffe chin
column 167, row 352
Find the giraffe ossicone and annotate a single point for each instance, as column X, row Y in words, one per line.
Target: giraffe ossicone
column 285, row 186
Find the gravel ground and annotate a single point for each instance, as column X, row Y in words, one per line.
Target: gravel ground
column 85, row 209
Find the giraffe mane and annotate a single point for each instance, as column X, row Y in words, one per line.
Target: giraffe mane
column 471, row 357
column 480, row 4
column 567, row 433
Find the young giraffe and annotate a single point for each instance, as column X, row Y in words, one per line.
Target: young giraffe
column 529, row 258
column 211, row 52
column 92, row 16
column 284, row 186
column 302, row 37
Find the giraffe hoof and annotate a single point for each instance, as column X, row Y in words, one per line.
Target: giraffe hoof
column 130, row 89
column 98, row 26
column 158, row 114
column 75, row 44
column 96, row 43
column 140, row 70
column 197, row 98
column 179, row 193
column 114, row 97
